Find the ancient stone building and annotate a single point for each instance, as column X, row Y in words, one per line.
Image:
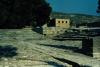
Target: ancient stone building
column 56, row 26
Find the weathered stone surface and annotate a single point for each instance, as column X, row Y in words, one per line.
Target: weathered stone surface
column 96, row 47
column 32, row 51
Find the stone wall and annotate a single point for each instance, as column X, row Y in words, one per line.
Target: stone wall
column 96, row 47
column 87, row 46
column 91, row 47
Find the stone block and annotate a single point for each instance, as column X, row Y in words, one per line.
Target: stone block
column 96, row 47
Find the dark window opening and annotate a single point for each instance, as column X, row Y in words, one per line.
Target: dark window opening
column 58, row 21
column 62, row 21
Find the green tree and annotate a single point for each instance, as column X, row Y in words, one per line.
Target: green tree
column 18, row 13
column 98, row 10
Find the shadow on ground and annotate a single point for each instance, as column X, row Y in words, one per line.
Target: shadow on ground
column 72, row 48
column 8, row 51
column 67, row 62
column 55, row 64
column 75, row 49
column 73, row 64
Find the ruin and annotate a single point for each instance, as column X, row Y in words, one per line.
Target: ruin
column 90, row 45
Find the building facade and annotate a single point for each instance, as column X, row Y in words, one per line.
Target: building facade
column 63, row 23
column 56, row 26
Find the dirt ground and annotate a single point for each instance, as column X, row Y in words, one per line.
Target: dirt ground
column 34, row 50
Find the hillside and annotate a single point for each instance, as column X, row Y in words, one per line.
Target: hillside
column 76, row 18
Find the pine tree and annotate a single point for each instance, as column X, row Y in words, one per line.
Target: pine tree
column 98, row 10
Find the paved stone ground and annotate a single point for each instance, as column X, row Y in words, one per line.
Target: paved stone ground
column 34, row 51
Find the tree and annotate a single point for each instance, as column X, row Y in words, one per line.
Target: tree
column 18, row 13
column 41, row 12
column 98, row 10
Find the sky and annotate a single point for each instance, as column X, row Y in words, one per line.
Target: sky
column 75, row 6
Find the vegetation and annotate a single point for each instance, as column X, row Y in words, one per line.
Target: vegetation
column 98, row 10
column 18, row 13
column 76, row 18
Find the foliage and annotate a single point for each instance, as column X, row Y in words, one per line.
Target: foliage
column 18, row 13
column 98, row 11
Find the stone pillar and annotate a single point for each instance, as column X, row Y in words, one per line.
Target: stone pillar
column 87, row 46
column 96, row 47
column 91, row 47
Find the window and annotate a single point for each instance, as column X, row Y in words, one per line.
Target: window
column 62, row 21
column 58, row 21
